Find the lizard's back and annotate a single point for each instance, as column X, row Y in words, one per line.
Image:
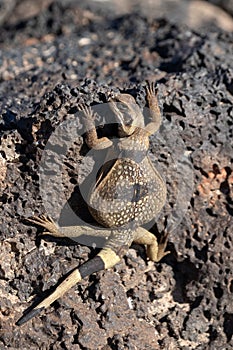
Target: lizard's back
column 128, row 192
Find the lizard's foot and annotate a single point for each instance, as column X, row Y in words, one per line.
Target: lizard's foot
column 156, row 250
column 46, row 222
column 155, row 117
column 87, row 111
column 151, row 90
column 92, row 139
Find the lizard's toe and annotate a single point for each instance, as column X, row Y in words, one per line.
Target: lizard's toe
column 151, row 88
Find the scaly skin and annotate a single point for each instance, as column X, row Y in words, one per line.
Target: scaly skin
column 128, row 193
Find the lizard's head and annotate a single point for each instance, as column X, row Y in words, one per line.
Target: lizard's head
column 127, row 112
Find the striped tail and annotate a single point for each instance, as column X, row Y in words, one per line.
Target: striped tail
column 104, row 260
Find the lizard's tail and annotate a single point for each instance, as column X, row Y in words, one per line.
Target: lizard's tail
column 104, row 260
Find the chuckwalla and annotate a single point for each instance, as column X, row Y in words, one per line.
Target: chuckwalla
column 128, row 193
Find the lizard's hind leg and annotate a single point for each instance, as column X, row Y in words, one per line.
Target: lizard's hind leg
column 155, row 250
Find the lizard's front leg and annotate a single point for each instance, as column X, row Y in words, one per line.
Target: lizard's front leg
column 155, row 116
column 110, row 255
column 92, row 139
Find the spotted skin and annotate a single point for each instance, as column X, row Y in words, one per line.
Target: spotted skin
column 128, row 193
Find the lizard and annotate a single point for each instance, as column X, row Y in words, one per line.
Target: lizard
column 128, row 193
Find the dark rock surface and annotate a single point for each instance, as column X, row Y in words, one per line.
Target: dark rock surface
column 67, row 53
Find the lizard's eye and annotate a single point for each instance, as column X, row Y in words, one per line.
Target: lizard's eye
column 128, row 120
column 122, row 107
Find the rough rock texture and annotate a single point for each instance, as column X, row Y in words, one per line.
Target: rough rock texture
column 49, row 62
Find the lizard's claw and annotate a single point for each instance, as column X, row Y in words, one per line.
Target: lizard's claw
column 87, row 111
column 156, row 250
column 162, row 246
column 46, row 222
column 151, row 89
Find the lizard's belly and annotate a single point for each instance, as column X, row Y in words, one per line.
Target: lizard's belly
column 129, row 192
